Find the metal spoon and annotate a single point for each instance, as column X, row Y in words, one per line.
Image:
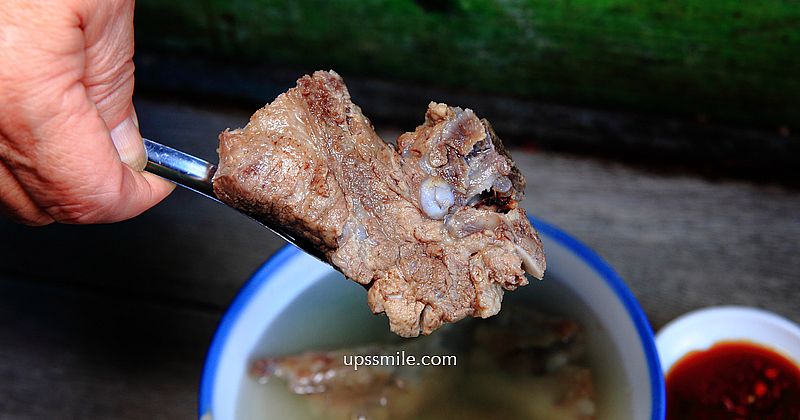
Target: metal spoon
column 196, row 174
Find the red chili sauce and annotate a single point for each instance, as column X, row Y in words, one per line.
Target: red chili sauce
column 733, row 380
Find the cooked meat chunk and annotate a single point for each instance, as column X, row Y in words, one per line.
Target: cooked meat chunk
column 341, row 391
column 523, row 340
column 431, row 227
column 318, row 372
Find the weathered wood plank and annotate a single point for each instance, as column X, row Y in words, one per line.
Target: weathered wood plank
column 738, row 237
column 71, row 354
column 680, row 242
column 113, row 321
column 655, row 141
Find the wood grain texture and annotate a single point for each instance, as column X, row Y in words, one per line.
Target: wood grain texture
column 680, row 242
column 78, row 354
column 113, row 321
column 649, row 140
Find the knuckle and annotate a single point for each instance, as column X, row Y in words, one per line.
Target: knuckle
column 37, row 220
column 29, row 216
column 90, row 209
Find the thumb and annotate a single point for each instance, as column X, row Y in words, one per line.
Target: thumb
column 128, row 141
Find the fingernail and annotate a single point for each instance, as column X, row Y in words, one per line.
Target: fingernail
column 128, row 141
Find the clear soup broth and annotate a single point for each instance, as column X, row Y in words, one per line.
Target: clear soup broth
column 332, row 315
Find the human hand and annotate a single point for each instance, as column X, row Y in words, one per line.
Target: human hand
column 70, row 148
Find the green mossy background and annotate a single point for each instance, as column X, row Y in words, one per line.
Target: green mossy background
column 732, row 61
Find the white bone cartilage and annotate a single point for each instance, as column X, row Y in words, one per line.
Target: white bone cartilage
column 436, row 197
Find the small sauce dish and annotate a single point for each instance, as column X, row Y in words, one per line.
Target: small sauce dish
column 731, row 362
column 700, row 329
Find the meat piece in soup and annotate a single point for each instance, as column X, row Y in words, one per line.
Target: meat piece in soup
column 521, row 364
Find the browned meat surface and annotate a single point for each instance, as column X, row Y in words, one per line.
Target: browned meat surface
column 431, row 227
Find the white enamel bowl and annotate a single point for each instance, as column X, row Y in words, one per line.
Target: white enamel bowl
column 270, row 315
column 701, row 329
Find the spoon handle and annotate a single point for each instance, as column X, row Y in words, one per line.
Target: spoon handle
column 181, row 168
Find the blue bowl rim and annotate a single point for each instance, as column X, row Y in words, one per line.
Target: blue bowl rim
column 261, row 276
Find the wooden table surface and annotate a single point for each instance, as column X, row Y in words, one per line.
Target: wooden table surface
column 113, row 321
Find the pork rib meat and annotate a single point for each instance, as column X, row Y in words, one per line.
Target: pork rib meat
column 431, row 227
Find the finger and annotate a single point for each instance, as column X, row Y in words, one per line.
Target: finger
column 71, row 169
column 80, row 177
column 137, row 192
column 109, row 73
column 15, row 202
column 140, row 191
